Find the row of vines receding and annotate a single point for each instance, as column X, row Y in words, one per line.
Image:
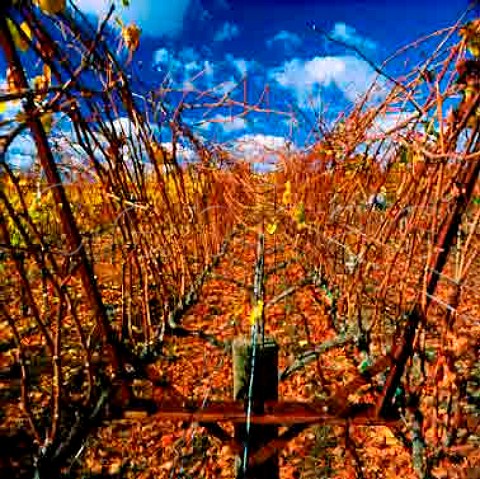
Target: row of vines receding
column 385, row 207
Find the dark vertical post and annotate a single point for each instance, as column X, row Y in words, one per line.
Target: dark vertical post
column 264, row 388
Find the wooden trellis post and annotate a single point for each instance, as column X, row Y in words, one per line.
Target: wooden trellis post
column 264, row 387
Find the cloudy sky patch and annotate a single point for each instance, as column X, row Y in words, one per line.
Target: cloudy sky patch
column 227, row 31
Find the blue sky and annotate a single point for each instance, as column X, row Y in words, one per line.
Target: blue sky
column 272, row 42
column 214, row 44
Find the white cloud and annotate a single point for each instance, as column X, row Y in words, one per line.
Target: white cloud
column 187, row 68
column 183, row 153
column 192, row 67
column 21, row 152
column 289, row 40
column 234, row 124
column 162, row 55
column 228, row 124
column 350, row 74
column 267, row 142
column 383, row 124
column 347, row 34
column 195, row 69
column 188, row 86
column 240, row 64
column 208, row 68
column 261, row 150
column 299, row 74
column 253, row 146
column 180, row 71
column 226, row 32
column 225, row 87
column 8, row 109
column 154, row 17
column 124, row 126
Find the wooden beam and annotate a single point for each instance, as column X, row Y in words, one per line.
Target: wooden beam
column 280, row 413
column 276, row 445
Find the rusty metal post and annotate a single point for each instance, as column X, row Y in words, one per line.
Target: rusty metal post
column 264, row 387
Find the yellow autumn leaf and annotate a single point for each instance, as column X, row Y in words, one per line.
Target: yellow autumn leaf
column 47, row 120
column 473, row 120
column 474, row 48
column 51, row 7
column 271, row 228
column 47, row 74
column 299, row 213
column 38, row 82
column 18, row 39
column 469, row 94
column 417, row 156
column 471, row 34
column 256, row 313
column 157, row 151
column 301, row 226
column 287, row 194
column 390, row 439
column 12, row 86
column 239, row 311
column 131, row 36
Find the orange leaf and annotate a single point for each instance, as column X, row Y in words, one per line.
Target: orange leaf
column 131, row 36
column 51, row 7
